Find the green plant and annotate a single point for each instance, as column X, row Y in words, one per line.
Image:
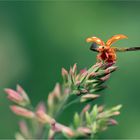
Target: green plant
column 79, row 89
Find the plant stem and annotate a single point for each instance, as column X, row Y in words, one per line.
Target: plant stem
column 69, row 104
column 58, row 112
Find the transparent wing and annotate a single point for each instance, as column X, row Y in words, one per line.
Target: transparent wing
column 126, row 49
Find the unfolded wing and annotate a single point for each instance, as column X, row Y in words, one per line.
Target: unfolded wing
column 126, row 49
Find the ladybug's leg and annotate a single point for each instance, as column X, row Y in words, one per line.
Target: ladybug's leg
column 113, row 57
column 99, row 58
column 106, row 60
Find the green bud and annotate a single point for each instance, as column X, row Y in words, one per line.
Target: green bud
column 88, row 118
column 19, row 136
column 89, row 97
column 74, row 68
column 116, row 108
column 94, row 112
column 94, row 127
column 64, row 73
column 76, row 120
column 99, row 88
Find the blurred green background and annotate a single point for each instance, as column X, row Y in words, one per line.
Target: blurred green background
column 38, row 38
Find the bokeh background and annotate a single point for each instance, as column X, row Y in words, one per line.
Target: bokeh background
column 38, row 38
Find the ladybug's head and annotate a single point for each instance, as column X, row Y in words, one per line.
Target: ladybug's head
column 96, row 47
column 102, row 48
